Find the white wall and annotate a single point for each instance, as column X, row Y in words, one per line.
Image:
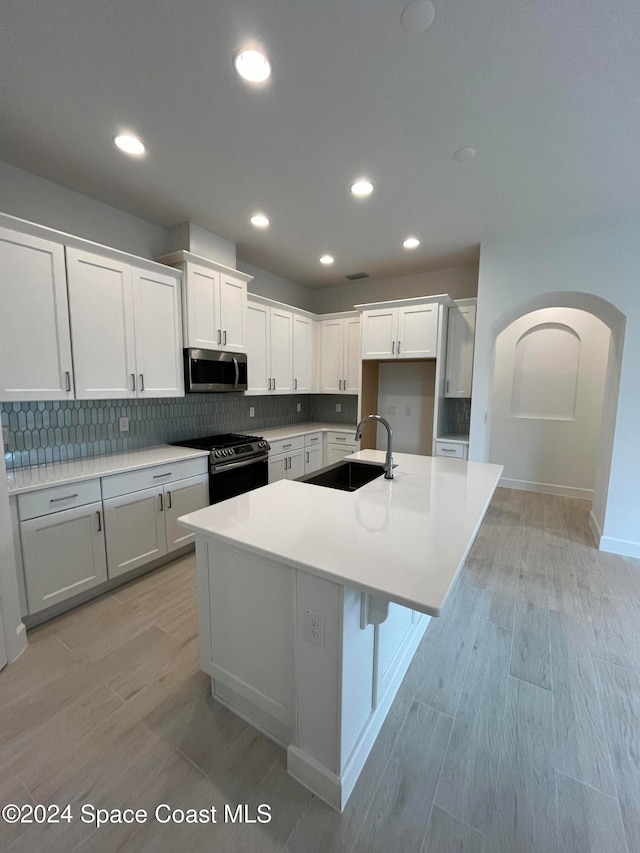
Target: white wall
column 546, row 402
column 36, row 199
column 406, row 398
column 273, row 286
column 458, row 282
column 602, row 262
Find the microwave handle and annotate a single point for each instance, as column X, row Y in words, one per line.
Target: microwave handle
column 237, row 379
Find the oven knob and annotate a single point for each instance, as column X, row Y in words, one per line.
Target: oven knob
column 229, row 452
column 218, row 453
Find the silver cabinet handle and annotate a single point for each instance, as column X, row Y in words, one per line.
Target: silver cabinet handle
column 67, row 376
column 447, row 386
column 393, row 348
column 339, row 384
column 314, row 439
column 133, row 382
column 307, row 456
column 447, row 450
column 65, row 498
column 285, row 463
column 224, row 336
column 340, row 438
column 99, row 521
column 344, row 384
column 398, row 347
column 169, row 501
column 295, row 384
column 141, row 382
column 161, row 502
column 274, row 383
column 157, row 476
column 285, row 446
column 219, row 336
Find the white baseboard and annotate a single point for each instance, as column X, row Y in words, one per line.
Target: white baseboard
column 595, row 528
column 547, row 488
column 315, row 776
column 624, row 547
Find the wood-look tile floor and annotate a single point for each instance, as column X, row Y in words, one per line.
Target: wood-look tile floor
column 516, row 729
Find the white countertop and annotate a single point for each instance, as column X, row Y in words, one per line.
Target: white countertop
column 72, row 471
column 303, row 429
column 404, row 539
column 455, row 438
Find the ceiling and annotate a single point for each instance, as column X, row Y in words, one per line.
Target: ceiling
column 547, row 92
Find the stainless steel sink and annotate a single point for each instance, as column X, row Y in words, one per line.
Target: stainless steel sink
column 346, row 476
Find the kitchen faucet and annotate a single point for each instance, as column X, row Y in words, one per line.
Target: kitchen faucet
column 388, row 462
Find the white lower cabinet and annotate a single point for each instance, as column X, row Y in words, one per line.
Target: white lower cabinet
column 142, row 526
column 312, row 458
column 340, row 445
column 63, row 554
column 286, row 466
column 452, row 449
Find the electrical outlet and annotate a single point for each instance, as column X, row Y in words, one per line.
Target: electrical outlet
column 391, row 410
column 408, row 411
column 299, row 407
column 123, row 424
column 252, row 412
column 314, row 627
column 338, row 407
column 5, row 434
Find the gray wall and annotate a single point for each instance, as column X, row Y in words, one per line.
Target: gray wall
column 272, row 286
column 30, row 197
column 458, row 282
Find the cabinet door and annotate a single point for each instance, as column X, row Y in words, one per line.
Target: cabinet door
column 135, row 530
column 394, row 634
column 180, row 498
column 302, row 349
column 352, row 358
column 158, row 338
column 379, row 333
column 295, row 464
column 258, row 349
column 63, row 554
column 335, row 453
column 312, row 458
column 281, row 351
column 461, row 333
column 233, row 309
column 202, row 327
column 102, row 326
column 277, row 467
column 35, row 343
column 417, row 331
column 332, row 356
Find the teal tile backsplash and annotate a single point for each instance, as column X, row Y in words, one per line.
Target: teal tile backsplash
column 53, row 431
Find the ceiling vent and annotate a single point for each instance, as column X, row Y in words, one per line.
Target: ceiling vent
column 356, row 275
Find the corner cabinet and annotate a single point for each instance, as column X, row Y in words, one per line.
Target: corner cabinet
column 460, row 341
column 340, row 355
column 214, row 302
column 35, row 340
column 400, row 331
column 125, row 327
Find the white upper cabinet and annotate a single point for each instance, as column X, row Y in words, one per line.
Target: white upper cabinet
column 302, row 353
column 460, row 340
column 125, row 325
column 405, row 331
column 214, row 302
column 158, row 338
column 281, row 351
column 35, row 344
column 258, row 348
column 340, row 355
column 102, row 326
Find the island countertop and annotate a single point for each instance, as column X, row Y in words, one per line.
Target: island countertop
column 404, row 539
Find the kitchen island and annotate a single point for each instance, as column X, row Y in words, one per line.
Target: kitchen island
column 312, row 602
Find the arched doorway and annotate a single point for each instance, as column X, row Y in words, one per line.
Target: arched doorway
column 556, row 373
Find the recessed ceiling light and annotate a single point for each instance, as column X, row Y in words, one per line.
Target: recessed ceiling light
column 464, row 154
column 411, row 243
column 260, row 220
column 327, row 259
column 362, row 187
column 129, row 144
column 417, row 16
column 252, row 65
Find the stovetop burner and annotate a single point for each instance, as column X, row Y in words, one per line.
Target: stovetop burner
column 214, row 442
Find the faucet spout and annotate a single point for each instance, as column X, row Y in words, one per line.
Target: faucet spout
column 388, row 462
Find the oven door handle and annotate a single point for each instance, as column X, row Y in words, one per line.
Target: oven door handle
column 235, row 364
column 230, row 466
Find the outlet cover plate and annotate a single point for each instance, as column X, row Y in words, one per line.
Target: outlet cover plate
column 123, row 424
column 314, row 627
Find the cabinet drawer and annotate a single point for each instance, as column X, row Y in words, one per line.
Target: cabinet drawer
column 313, row 439
column 286, row 445
column 455, row 451
column 156, row 475
column 57, row 498
column 347, row 438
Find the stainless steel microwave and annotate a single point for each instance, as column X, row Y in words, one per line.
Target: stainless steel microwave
column 208, row 371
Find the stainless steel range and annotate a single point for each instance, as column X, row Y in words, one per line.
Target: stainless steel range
column 237, row 463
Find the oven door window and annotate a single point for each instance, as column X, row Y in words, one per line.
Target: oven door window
column 237, row 481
